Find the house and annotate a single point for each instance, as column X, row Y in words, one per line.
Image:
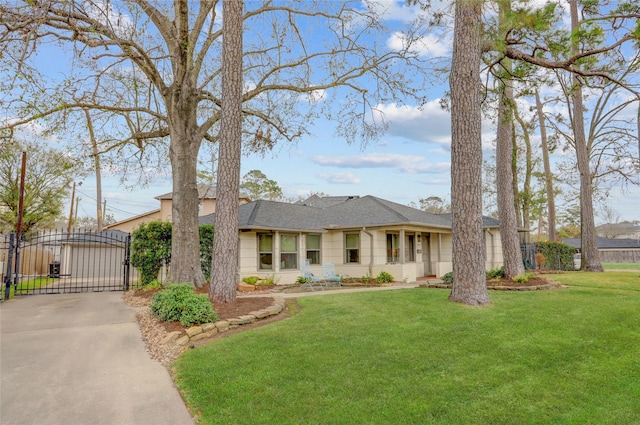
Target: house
column 361, row 236
column 206, row 193
column 623, row 230
column 612, row 250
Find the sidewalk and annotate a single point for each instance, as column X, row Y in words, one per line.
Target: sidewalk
column 334, row 290
column 79, row 359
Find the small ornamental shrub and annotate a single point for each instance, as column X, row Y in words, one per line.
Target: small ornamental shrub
column 250, row 280
column 447, row 278
column 301, row 279
column 366, row 279
column 179, row 303
column 384, row 277
column 521, row 279
column 540, row 259
column 154, row 284
column 269, row 280
column 495, row 273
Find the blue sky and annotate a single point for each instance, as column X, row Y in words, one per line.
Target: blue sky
column 408, row 162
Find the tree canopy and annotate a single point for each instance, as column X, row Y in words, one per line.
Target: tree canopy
column 48, row 176
column 150, row 76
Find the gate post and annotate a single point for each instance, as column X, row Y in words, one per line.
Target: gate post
column 126, row 263
column 8, row 274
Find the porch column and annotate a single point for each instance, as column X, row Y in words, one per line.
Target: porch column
column 402, row 256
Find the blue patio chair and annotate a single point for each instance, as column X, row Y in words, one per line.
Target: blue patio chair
column 310, row 280
column 330, row 276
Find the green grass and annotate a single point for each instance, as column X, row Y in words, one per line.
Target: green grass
column 621, row 266
column 569, row 356
column 30, row 285
column 625, row 280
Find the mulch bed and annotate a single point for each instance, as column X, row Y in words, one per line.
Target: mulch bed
column 225, row 311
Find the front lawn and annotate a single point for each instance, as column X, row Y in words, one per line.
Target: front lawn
column 569, row 356
column 626, row 280
column 28, row 285
column 621, row 266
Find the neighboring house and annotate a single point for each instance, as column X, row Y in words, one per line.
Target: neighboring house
column 206, row 193
column 612, row 250
column 623, row 230
column 362, row 236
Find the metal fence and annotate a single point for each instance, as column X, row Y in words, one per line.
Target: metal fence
column 52, row 262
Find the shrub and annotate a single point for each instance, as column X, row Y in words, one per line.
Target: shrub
column 495, row 273
column 250, row 280
column 540, row 259
column 206, row 232
column 151, row 249
column 269, row 280
column 179, row 303
column 384, row 277
column 366, row 279
column 558, row 256
column 521, row 279
column 301, row 279
column 154, row 284
column 447, row 278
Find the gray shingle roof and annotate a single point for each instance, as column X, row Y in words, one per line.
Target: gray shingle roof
column 606, row 243
column 205, row 191
column 351, row 212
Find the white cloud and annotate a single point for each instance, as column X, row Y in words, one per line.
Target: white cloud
column 429, row 123
column 394, row 10
column 429, row 45
column 340, row 178
column 412, row 164
column 105, row 13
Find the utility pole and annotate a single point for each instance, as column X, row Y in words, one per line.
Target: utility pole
column 75, row 217
column 73, row 197
column 104, row 214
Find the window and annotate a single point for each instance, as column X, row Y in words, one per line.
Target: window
column 313, row 249
column 409, row 247
column 393, row 244
column 265, row 251
column 288, row 252
column 352, row 244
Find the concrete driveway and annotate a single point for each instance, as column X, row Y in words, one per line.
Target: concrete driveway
column 79, row 359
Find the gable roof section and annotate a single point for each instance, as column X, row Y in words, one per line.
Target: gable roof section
column 350, row 212
column 134, row 218
column 205, row 191
column 325, row 201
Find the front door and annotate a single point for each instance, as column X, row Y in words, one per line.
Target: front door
column 426, row 253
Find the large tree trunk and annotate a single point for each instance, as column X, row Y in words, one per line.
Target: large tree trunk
column 590, row 256
column 511, row 254
column 528, row 172
column 469, row 281
column 181, row 101
column 185, row 239
column 224, row 268
column 548, row 177
column 97, row 168
column 514, row 175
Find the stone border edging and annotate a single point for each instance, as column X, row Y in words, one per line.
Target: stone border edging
column 207, row 330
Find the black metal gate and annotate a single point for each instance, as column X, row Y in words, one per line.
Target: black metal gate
column 54, row 262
